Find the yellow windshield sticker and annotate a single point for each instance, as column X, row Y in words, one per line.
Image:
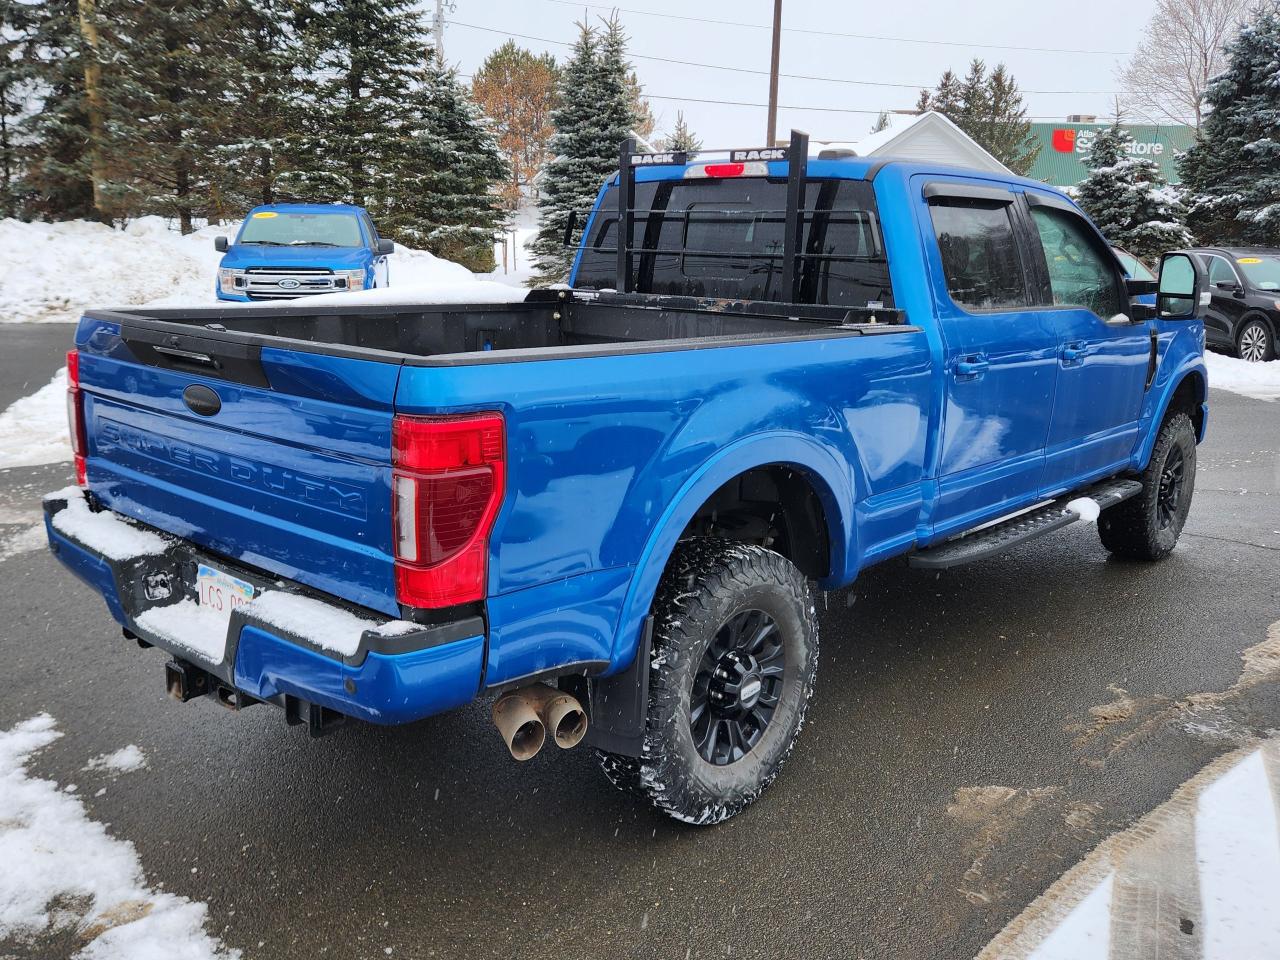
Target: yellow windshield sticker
column 265, row 215
column 1249, row 260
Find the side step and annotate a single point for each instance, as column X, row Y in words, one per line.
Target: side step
column 989, row 541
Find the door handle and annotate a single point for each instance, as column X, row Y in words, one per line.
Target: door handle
column 1073, row 353
column 971, row 368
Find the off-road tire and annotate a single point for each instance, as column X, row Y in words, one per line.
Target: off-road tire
column 1136, row 528
column 707, row 584
column 1253, row 335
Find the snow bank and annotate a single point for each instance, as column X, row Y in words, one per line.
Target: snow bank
column 33, row 430
column 1258, row 380
column 51, row 850
column 102, row 532
column 54, row 271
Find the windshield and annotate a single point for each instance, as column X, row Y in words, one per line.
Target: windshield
column 1135, row 268
column 302, row 229
column 1262, row 273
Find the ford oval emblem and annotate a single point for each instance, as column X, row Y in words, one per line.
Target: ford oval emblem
column 288, row 283
column 201, row 400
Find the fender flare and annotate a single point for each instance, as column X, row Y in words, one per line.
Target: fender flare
column 1192, row 366
column 834, row 484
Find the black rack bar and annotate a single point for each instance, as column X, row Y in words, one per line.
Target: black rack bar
column 797, row 172
column 626, row 213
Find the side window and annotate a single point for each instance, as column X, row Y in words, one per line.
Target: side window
column 1220, row 272
column 979, row 253
column 1080, row 275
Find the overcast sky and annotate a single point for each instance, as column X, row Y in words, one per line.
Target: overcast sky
column 1100, row 34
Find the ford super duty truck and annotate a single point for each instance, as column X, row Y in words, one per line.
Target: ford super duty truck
column 609, row 506
column 288, row 250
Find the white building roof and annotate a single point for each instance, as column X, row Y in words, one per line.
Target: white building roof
column 926, row 136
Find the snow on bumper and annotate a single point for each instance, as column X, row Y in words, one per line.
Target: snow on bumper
column 287, row 642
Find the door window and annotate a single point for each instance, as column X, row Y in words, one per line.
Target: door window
column 979, row 254
column 1080, row 275
column 1220, row 272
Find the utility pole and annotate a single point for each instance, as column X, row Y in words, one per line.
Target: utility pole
column 95, row 105
column 437, row 28
column 773, row 74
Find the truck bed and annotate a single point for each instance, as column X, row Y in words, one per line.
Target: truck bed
column 550, row 324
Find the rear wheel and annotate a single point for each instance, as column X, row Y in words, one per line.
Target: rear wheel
column 735, row 653
column 1147, row 527
column 1255, row 342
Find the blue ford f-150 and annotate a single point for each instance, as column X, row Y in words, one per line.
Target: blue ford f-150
column 289, row 250
column 609, row 505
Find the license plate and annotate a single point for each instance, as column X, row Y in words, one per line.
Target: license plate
column 220, row 592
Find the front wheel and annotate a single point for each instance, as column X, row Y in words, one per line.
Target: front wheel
column 1147, row 527
column 1255, row 342
column 735, row 654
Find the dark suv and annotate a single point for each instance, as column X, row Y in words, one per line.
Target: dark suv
column 1244, row 315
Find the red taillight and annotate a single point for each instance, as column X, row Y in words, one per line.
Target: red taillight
column 724, row 169
column 448, row 477
column 75, row 416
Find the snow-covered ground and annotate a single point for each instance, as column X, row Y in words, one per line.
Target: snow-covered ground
column 33, row 430
column 66, row 879
column 1258, row 380
column 54, row 271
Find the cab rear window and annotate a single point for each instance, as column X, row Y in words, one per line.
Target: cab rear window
column 724, row 238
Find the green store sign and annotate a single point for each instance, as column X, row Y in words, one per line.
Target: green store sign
column 1065, row 146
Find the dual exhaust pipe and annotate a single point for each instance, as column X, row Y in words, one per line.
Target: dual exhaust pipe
column 525, row 716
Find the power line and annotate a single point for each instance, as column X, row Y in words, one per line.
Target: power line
column 851, row 36
column 765, row 73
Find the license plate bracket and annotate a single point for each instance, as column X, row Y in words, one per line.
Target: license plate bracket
column 219, row 592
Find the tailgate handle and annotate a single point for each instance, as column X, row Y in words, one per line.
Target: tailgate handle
column 190, row 356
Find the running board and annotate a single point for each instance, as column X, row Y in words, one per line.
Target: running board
column 989, row 541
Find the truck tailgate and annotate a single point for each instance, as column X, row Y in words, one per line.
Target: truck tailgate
column 276, row 458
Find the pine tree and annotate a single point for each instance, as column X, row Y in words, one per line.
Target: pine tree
column 595, row 114
column 1128, row 199
column 882, row 119
column 356, row 105
column 168, row 71
column 49, row 130
column 1232, row 171
column 262, row 95
column 681, row 138
column 989, row 109
column 1006, row 131
column 446, row 200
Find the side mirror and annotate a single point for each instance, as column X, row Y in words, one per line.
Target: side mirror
column 220, row 244
column 1139, row 288
column 385, row 246
column 1183, row 292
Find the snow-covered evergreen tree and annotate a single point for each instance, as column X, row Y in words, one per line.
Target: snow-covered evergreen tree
column 262, row 94
column 49, row 129
column 168, row 67
column 1232, row 171
column 356, row 105
column 1128, row 198
column 446, row 201
column 681, row 137
column 595, row 114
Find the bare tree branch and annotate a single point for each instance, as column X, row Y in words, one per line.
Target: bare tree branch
column 1165, row 80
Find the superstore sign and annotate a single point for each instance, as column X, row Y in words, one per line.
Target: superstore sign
column 1079, row 140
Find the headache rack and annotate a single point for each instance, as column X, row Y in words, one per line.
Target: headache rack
column 794, row 215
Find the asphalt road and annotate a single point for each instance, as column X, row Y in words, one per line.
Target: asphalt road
column 1053, row 671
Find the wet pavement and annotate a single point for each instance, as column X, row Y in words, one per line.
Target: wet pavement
column 974, row 735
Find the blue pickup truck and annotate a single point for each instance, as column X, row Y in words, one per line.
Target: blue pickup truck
column 609, row 507
column 288, row 250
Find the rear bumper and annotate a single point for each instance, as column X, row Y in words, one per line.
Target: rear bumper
column 355, row 662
